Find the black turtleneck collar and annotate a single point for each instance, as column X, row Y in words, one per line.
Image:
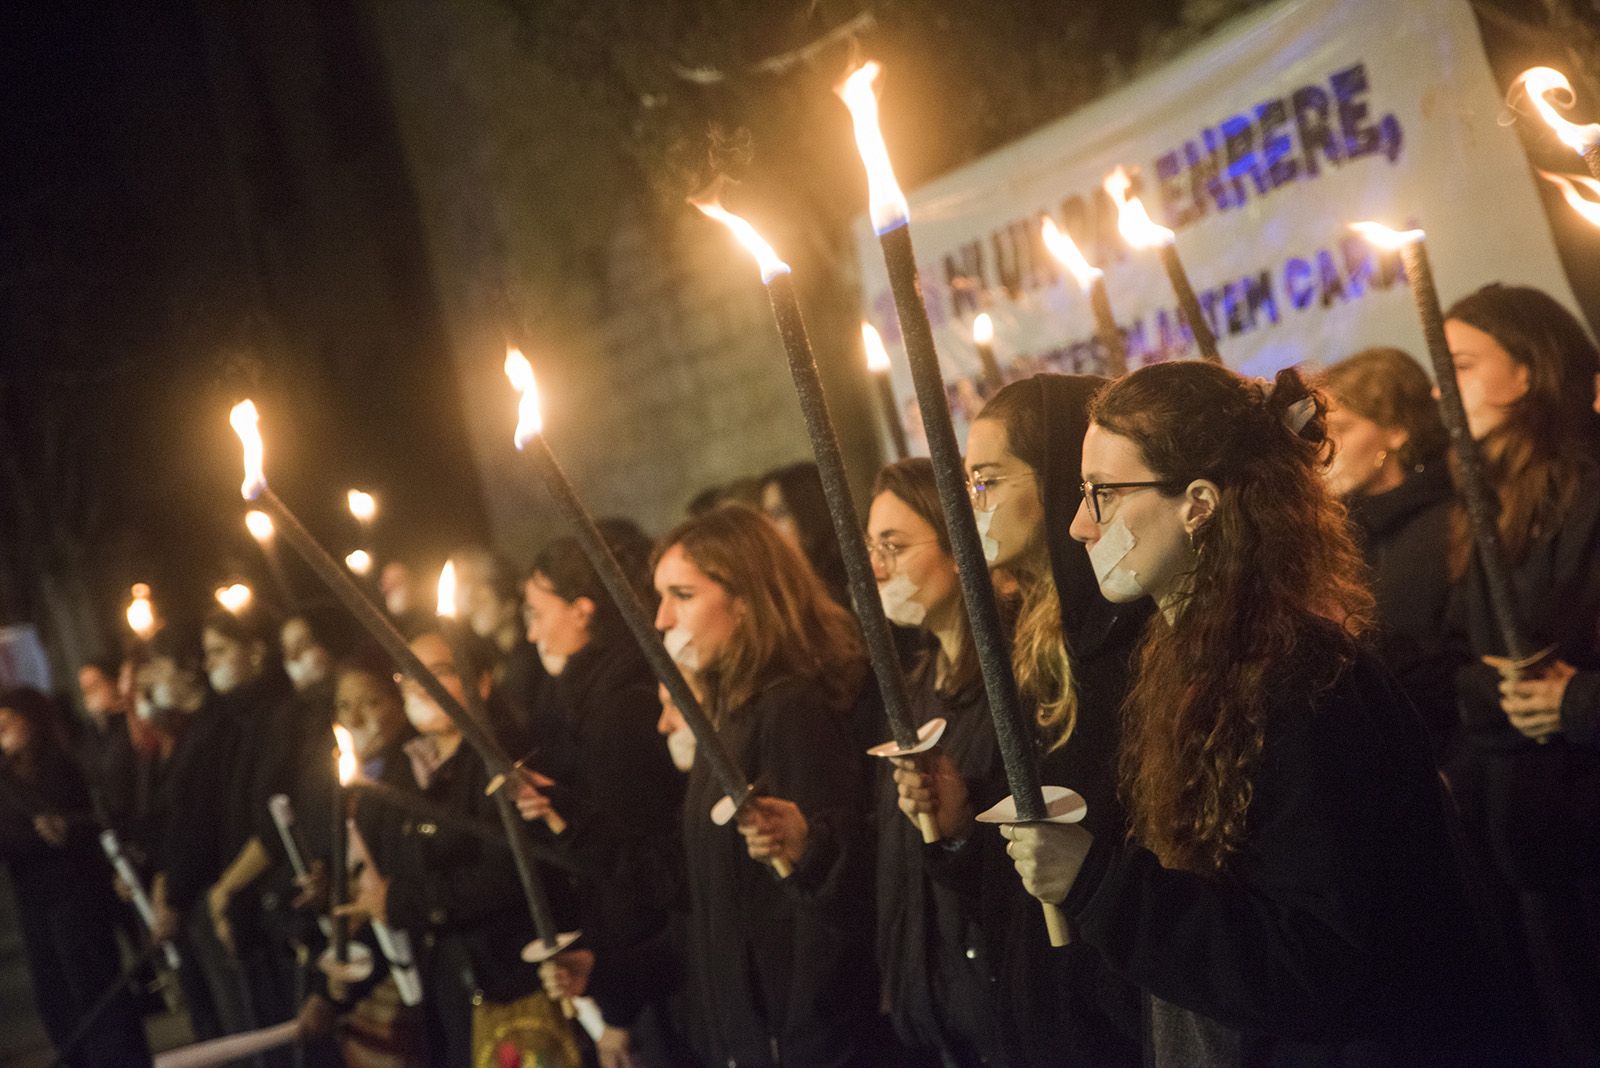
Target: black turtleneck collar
column 1381, row 513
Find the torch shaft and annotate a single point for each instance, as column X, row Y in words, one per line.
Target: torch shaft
column 419, row 808
column 1011, row 727
column 891, row 414
column 841, row 507
column 991, row 367
column 1481, row 504
column 532, row 888
column 1189, row 304
column 1106, row 329
column 709, row 744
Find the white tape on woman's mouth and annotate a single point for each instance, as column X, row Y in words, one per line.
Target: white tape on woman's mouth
column 1104, row 556
column 991, row 548
column 899, row 605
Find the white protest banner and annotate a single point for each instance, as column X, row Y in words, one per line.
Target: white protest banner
column 1258, row 148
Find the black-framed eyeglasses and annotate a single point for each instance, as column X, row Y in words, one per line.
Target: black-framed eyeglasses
column 1095, row 493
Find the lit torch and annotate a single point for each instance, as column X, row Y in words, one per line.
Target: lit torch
column 339, row 851
column 639, row 620
column 141, row 613
column 878, row 368
column 1142, row 232
column 1550, row 93
column 983, row 341
column 234, row 598
column 847, row 524
column 891, row 217
column 1092, row 280
column 363, row 505
column 1569, row 186
column 1481, row 503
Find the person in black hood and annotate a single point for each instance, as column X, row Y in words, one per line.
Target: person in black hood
column 1294, row 891
column 62, row 885
column 1071, row 654
column 605, row 787
column 1389, row 469
column 1527, row 771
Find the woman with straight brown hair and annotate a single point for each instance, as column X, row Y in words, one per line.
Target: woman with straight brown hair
column 778, row 967
column 1527, row 774
column 1292, row 892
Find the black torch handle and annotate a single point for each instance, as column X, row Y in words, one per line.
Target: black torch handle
column 1481, row 504
column 708, row 742
column 1189, row 304
column 1105, row 327
column 1011, row 727
column 891, row 415
column 847, row 526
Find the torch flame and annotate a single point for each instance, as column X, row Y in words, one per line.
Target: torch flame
column 1568, row 184
column 247, row 424
column 259, row 524
column 359, row 561
column 889, row 207
column 1138, row 229
column 1066, row 252
column 363, row 505
column 347, row 754
column 1384, row 237
column 1540, row 83
column 141, row 613
column 447, row 590
column 710, row 204
column 520, row 371
column 235, row 598
column 983, row 329
column 877, row 355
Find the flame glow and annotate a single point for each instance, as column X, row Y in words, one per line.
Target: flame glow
column 1386, row 238
column 1540, row 83
column 347, row 754
column 259, row 524
column 877, row 355
column 710, row 204
column 1568, row 184
column 141, row 613
column 888, row 204
column 1138, row 229
column 363, row 505
column 235, row 598
column 983, row 329
column 359, row 562
column 447, row 590
column 247, row 424
column 1066, row 252
column 520, row 372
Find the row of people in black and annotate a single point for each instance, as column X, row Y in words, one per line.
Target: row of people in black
column 1254, row 687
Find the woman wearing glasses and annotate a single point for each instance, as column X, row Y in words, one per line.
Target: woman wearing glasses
column 1070, row 656
column 1292, row 892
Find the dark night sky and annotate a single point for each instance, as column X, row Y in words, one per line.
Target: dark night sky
column 154, row 271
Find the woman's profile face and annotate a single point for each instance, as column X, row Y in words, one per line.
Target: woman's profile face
column 368, row 709
column 1007, row 489
column 556, row 625
column 1366, row 456
column 903, row 544
column 1140, row 544
column 1491, row 380
column 695, row 604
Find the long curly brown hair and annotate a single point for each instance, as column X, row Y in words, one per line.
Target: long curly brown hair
column 1273, row 566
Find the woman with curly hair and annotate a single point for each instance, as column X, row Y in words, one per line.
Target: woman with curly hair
column 1291, row 891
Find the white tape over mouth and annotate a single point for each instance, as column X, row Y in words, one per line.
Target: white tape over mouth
column 899, row 604
column 1104, row 556
column 991, row 548
column 677, row 640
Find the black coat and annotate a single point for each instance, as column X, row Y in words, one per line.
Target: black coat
column 622, row 800
column 1343, row 931
column 1537, row 806
column 110, row 765
column 1405, row 536
column 196, row 787
column 456, row 894
column 781, row 969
